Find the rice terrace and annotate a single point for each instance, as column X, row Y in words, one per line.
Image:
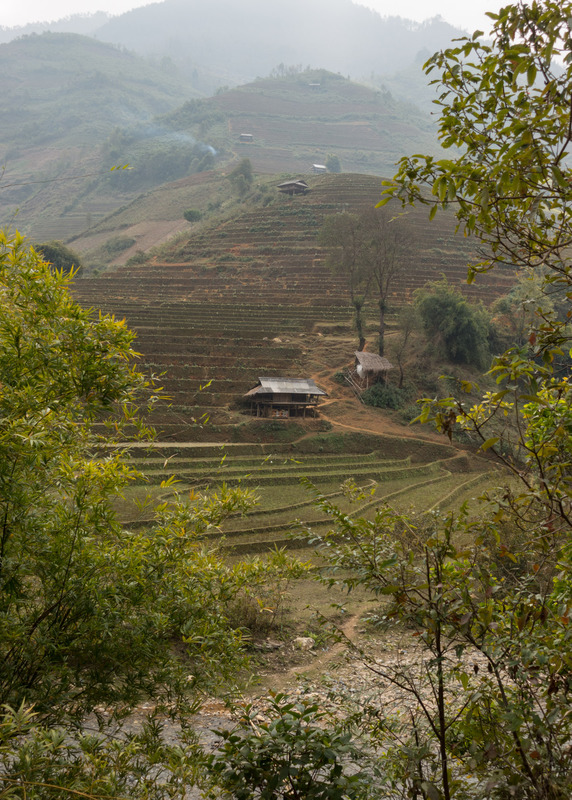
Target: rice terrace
column 249, row 294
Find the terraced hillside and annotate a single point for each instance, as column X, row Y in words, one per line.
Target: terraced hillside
column 249, row 294
column 406, row 474
column 269, row 254
column 298, row 120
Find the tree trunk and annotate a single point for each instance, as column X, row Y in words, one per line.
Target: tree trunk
column 381, row 327
column 359, row 324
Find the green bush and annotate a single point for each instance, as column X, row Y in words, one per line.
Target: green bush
column 333, row 163
column 117, row 245
column 59, row 256
column 297, row 750
column 140, row 257
column 192, row 215
column 241, row 177
column 462, row 329
column 410, row 412
column 385, row 395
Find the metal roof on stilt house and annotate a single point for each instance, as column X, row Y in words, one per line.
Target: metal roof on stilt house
column 284, row 397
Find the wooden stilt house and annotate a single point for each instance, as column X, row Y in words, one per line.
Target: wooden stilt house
column 293, row 187
column 282, row 398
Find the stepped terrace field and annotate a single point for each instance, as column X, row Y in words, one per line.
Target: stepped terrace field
column 251, row 295
column 406, row 474
column 269, row 254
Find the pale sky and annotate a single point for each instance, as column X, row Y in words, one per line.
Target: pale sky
column 466, row 14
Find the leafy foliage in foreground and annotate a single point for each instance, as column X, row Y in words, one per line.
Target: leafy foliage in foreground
column 88, row 609
column 43, row 763
column 95, row 618
column 291, row 754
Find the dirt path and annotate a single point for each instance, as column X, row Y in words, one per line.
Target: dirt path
column 362, row 419
column 318, row 663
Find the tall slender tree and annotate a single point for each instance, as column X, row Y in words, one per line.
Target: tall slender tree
column 388, row 250
column 343, row 236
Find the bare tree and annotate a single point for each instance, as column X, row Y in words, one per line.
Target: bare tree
column 343, row 236
column 387, row 253
column 370, row 250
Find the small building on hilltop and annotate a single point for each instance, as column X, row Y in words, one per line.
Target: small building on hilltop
column 246, row 137
column 294, row 187
column 318, row 169
column 281, row 398
column 370, row 368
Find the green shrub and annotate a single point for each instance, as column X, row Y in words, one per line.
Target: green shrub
column 140, row 257
column 59, row 256
column 410, row 412
column 295, row 750
column 192, row 215
column 333, row 163
column 113, row 247
column 385, row 395
column 241, row 177
column 461, row 328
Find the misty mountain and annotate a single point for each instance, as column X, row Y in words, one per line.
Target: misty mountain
column 73, row 88
column 74, row 106
column 85, row 24
column 243, row 40
column 63, row 95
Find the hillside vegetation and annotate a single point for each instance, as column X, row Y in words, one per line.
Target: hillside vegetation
column 63, row 96
column 77, row 108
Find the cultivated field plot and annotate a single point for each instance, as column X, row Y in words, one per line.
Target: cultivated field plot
column 300, row 121
column 412, row 475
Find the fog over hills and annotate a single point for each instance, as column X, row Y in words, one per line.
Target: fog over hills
column 63, row 95
column 84, row 24
column 75, row 105
column 248, row 39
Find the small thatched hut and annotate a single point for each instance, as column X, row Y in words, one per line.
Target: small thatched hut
column 371, row 368
column 294, row 187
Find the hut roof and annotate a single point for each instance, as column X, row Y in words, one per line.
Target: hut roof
column 371, row 362
column 286, row 386
column 294, row 187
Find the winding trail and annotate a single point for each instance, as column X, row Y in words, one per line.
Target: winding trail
column 318, row 664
